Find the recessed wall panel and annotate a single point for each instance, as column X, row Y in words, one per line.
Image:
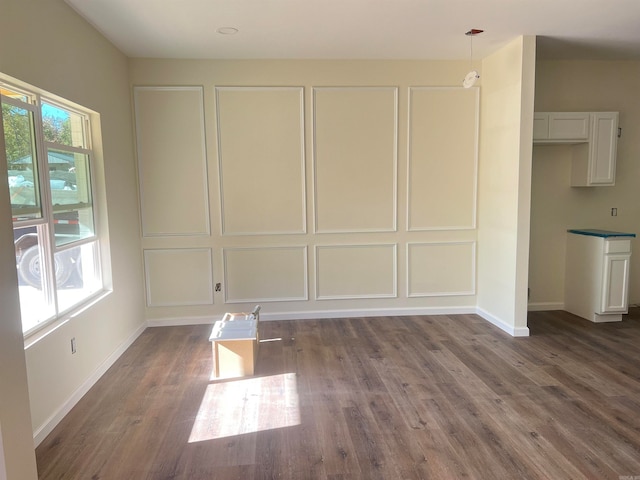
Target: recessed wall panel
column 440, row 269
column 261, row 150
column 356, row 271
column 172, row 162
column 178, row 277
column 443, row 152
column 355, row 159
column 265, row 274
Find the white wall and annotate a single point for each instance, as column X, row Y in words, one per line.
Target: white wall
column 504, row 191
column 49, row 46
column 556, row 206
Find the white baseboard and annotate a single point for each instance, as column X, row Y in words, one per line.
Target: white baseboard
column 373, row 312
column 45, row 429
column 324, row 314
column 182, row 321
column 541, row 306
column 514, row 332
column 318, row 315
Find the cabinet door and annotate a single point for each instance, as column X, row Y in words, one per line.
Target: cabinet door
column 615, row 284
column 603, row 148
column 540, row 126
column 569, row 126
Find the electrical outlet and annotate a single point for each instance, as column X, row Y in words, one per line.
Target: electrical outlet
column 614, row 212
column 73, row 345
column 218, row 287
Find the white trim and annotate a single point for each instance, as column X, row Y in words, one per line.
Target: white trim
column 394, row 221
column 147, row 252
column 542, row 306
column 319, row 315
column 350, row 313
column 184, row 321
column 305, row 297
column 43, row 329
column 223, row 228
column 47, row 427
column 473, row 291
column 393, row 294
column 205, row 173
column 514, row 332
column 474, row 222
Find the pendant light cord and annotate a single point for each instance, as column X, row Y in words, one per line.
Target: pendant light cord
column 472, row 33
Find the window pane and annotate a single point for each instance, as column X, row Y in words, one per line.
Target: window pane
column 22, row 163
column 81, row 278
column 14, row 94
column 70, row 178
column 34, row 304
column 62, row 126
column 73, row 225
column 71, row 196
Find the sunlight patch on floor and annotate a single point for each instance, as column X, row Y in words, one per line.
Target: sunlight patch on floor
column 247, row 405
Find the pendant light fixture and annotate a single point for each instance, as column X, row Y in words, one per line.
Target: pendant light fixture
column 472, row 76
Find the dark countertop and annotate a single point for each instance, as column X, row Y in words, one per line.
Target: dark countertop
column 593, row 232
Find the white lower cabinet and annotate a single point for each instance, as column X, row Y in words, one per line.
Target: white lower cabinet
column 597, row 274
column 615, row 283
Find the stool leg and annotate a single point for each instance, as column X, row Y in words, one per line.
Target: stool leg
column 216, row 363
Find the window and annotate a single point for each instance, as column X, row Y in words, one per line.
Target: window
column 49, row 166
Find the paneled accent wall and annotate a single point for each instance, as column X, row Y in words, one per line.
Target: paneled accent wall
column 178, row 277
column 356, row 271
column 172, row 161
column 330, row 191
column 443, row 158
column 355, row 157
column 261, row 146
column 439, row 269
column 265, row 274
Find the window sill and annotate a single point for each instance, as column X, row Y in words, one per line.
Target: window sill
column 41, row 332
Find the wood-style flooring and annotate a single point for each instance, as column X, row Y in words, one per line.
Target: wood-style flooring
column 422, row 397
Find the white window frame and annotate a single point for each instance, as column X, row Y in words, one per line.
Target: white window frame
column 36, row 98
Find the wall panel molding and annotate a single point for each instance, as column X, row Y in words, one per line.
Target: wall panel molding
column 440, row 269
column 172, row 161
column 356, row 271
column 265, row 274
column 261, row 151
column 442, row 170
column 178, row 277
column 355, row 159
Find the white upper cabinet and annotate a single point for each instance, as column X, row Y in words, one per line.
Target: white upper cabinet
column 596, row 165
column 561, row 126
column 594, row 139
column 603, row 148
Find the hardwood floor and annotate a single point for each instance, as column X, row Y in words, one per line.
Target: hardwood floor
column 433, row 397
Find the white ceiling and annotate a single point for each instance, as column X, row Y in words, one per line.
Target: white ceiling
column 364, row 29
